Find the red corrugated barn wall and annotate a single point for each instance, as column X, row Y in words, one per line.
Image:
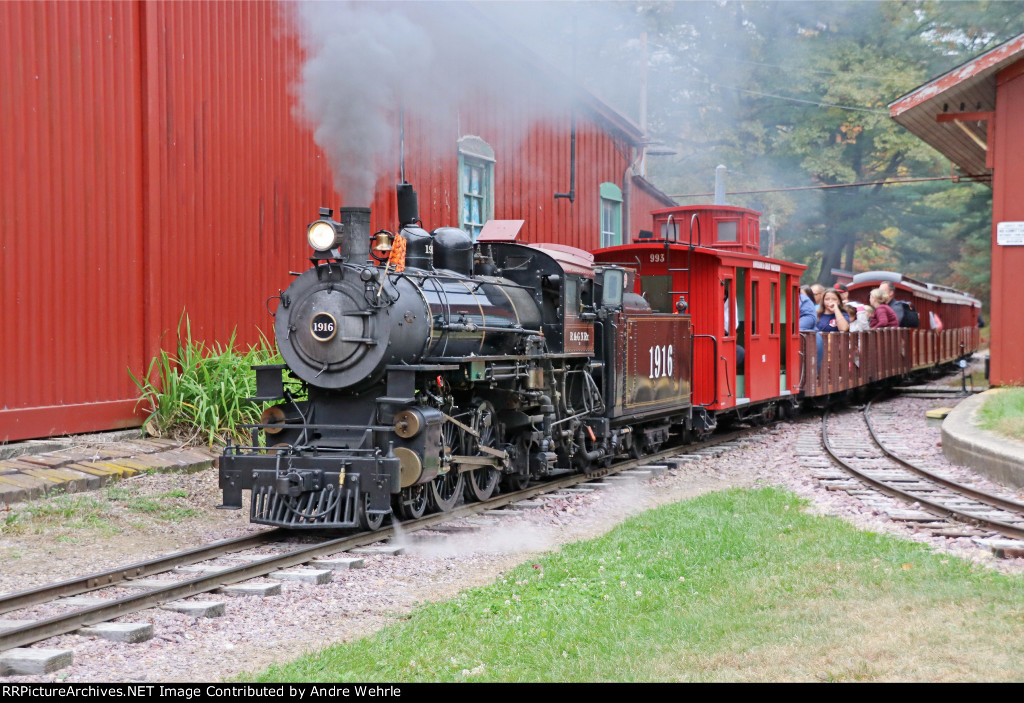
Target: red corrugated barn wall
column 1007, row 206
column 151, row 166
column 72, row 215
column 532, row 163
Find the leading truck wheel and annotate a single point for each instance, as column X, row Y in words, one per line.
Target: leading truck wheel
column 411, row 503
column 367, row 520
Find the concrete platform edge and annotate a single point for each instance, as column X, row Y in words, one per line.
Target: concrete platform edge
column 966, row 444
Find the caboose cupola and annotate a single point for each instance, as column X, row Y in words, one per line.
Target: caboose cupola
column 716, row 226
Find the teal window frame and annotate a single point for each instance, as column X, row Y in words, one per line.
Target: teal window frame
column 476, row 184
column 610, row 215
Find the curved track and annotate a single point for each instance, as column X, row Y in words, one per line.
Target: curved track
column 884, row 471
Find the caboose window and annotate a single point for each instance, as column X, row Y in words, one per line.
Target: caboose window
column 476, row 184
column 727, row 231
column 611, row 215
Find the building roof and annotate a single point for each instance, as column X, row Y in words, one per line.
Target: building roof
column 954, row 111
column 655, row 192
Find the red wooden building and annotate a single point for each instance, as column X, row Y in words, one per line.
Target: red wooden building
column 151, row 166
column 972, row 116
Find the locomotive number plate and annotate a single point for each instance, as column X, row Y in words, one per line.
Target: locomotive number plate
column 323, row 327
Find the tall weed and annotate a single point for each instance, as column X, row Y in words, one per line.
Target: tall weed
column 200, row 390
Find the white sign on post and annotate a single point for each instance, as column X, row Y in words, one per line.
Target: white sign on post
column 1010, row 234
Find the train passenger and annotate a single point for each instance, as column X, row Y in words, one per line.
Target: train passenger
column 741, row 353
column 817, row 290
column 889, row 288
column 831, row 317
column 884, row 315
column 808, row 313
column 844, row 292
column 860, row 317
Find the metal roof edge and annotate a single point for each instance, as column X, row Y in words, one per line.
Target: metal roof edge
column 654, row 191
column 992, row 60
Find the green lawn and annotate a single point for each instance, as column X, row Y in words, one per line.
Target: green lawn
column 1003, row 413
column 741, row 585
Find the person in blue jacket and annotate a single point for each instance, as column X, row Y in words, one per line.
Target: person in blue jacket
column 808, row 313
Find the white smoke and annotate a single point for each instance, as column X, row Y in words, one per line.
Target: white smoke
column 367, row 61
column 360, row 59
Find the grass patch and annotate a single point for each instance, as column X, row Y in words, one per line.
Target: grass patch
column 8, row 519
column 105, row 512
column 1003, row 413
column 200, row 391
column 161, row 506
column 733, row 586
column 76, row 511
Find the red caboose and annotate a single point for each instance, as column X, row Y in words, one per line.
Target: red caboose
column 744, row 306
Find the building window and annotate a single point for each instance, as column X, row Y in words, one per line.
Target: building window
column 611, row 215
column 476, row 184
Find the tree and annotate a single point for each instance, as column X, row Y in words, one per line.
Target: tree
column 794, row 94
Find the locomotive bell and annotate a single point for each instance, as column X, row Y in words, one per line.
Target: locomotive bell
column 382, row 241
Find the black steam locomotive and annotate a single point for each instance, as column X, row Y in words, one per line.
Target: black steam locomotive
column 478, row 364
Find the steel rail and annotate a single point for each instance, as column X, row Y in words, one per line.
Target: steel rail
column 92, row 615
column 938, row 509
column 63, row 624
column 981, row 496
column 112, row 577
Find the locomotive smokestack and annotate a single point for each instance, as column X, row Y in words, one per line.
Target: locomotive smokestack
column 408, row 205
column 355, row 247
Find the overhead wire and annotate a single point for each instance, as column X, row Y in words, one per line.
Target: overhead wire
column 978, row 178
column 801, row 100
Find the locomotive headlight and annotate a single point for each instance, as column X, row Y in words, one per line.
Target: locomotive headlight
column 322, row 235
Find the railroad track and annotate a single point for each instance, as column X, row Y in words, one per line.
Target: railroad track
column 104, row 585
column 856, row 443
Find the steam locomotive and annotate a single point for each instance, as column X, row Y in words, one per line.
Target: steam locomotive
column 417, row 381
column 463, row 367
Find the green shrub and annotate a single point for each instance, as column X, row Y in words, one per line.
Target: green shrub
column 200, row 391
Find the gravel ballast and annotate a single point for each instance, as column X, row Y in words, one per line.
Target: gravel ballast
column 258, row 631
